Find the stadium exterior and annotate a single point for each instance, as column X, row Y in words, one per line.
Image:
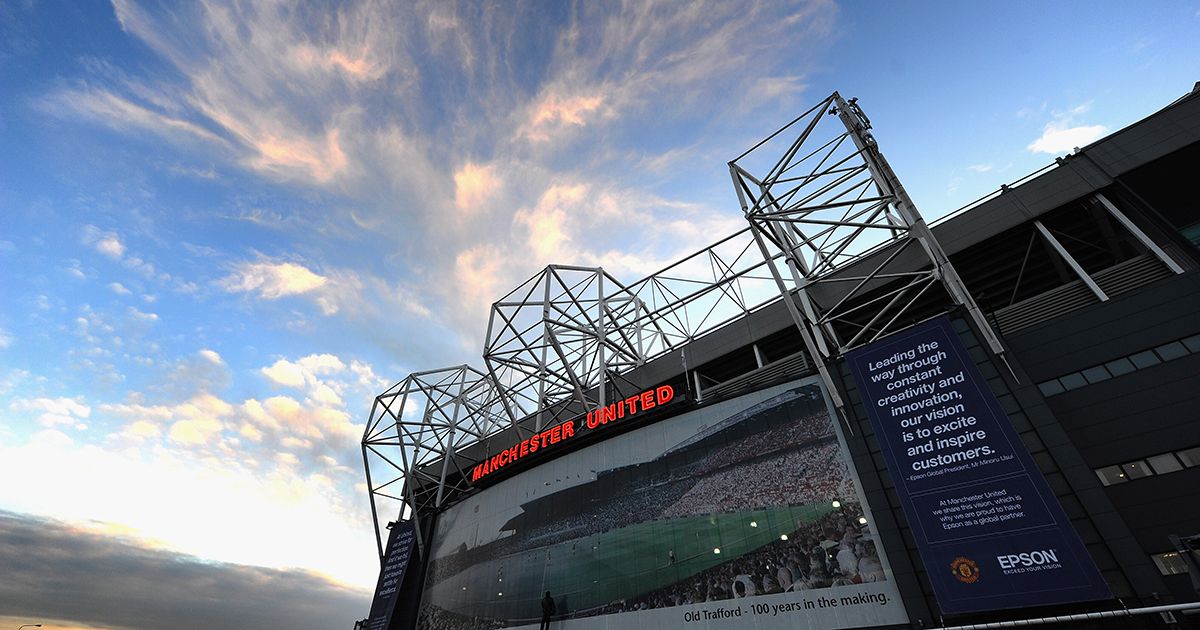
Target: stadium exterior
column 715, row 401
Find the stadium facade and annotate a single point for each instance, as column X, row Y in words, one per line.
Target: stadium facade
column 727, row 443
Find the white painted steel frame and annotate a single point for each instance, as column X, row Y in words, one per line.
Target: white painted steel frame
column 830, row 213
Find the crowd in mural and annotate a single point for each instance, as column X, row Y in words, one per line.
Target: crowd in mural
column 778, row 479
column 758, row 470
column 834, row 550
column 779, row 458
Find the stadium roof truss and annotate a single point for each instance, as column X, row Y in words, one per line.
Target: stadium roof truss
column 414, row 433
column 554, row 346
column 843, row 239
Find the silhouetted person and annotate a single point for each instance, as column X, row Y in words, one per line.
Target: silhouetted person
column 547, row 610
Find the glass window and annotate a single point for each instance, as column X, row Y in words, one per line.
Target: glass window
column 1051, row 387
column 1096, row 374
column 1192, row 343
column 1172, row 350
column 1072, row 381
column 1164, row 463
column 1137, row 469
column 1190, row 457
column 1110, row 475
column 1120, row 366
column 1144, row 359
column 1170, row 563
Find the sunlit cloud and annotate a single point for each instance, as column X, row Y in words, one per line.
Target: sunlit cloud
column 473, row 186
column 555, row 111
column 272, row 281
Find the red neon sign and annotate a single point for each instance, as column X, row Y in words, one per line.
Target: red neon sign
column 595, row 419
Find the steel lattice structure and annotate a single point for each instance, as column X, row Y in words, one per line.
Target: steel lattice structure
column 856, row 255
column 590, row 328
column 414, row 434
column 552, row 341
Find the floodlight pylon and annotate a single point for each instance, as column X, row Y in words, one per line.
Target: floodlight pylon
column 856, row 253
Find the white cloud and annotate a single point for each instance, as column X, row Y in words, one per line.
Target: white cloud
column 118, row 288
column 141, row 316
column 6, row 338
column 1064, row 134
column 106, row 242
column 55, row 412
column 980, row 168
column 1057, row 138
column 272, row 281
column 285, row 372
column 211, row 356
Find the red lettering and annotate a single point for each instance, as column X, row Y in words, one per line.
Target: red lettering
column 592, row 420
column 568, row 429
column 665, row 394
column 524, row 447
column 503, row 457
column 477, row 473
column 512, row 452
column 648, row 400
column 556, row 434
column 631, row 402
column 533, row 444
column 608, row 413
column 544, row 435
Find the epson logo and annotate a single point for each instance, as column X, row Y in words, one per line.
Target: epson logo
column 1028, row 559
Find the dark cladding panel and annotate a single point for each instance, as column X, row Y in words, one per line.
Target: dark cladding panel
column 1140, row 414
column 1138, row 320
column 1150, row 139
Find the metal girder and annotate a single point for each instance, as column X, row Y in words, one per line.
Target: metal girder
column 845, row 243
column 412, row 440
column 551, row 341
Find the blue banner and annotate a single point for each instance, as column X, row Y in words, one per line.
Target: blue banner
column 391, row 576
column 990, row 532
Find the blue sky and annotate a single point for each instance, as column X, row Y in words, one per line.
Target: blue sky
column 225, row 228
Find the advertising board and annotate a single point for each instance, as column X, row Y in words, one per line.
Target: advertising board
column 391, row 575
column 990, row 532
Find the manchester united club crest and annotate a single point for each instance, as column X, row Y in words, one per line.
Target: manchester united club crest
column 965, row 570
